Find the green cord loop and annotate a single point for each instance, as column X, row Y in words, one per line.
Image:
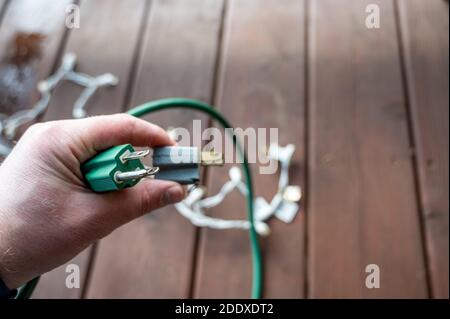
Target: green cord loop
column 26, row 290
column 163, row 104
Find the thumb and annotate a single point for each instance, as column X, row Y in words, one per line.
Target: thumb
column 145, row 197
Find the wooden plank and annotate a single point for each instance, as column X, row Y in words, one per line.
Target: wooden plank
column 101, row 46
column 362, row 203
column 424, row 27
column 104, row 43
column 53, row 283
column 152, row 256
column 261, row 86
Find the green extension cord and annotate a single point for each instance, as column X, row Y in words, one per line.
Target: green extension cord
column 26, row 290
column 163, row 104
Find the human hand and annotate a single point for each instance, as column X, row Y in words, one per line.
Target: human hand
column 47, row 214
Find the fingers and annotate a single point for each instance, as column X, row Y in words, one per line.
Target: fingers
column 101, row 132
column 147, row 196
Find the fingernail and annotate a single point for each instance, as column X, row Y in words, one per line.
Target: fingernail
column 173, row 195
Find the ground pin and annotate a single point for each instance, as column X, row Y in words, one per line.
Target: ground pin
column 126, row 176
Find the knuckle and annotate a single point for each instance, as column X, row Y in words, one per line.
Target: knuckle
column 126, row 118
column 36, row 132
column 132, row 125
column 35, row 128
column 45, row 134
column 148, row 202
column 128, row 122
column 47, row 128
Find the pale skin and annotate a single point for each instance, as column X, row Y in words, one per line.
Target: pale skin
column 47, row 214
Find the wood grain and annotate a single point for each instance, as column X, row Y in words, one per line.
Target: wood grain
column 369, row 120
column 362, row 203
column 152, row 256
column 424, row 27
column 261, row 86
column 101, row 46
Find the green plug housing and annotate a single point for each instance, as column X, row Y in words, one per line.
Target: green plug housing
column 100, row 171
column 120, row 166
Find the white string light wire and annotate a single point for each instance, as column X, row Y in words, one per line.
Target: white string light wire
column 283, row 205
column 9, row 125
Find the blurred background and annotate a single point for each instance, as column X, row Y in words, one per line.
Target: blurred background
column 359, row 87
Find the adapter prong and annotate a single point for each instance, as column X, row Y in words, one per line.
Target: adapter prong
column 211, row 158
column 126, row 176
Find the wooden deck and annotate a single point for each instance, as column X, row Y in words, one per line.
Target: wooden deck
column 366, row 108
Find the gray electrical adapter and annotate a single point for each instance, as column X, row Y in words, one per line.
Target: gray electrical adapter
column 181, row 164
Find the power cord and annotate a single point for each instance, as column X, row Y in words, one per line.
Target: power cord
column 99, row 169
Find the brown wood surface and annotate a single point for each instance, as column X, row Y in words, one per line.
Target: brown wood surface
column 53, row 284
column 262, row 71
column 100, row 47
column 367, row 110
column 362, row 204
column 424, row 26
column 152, row 256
